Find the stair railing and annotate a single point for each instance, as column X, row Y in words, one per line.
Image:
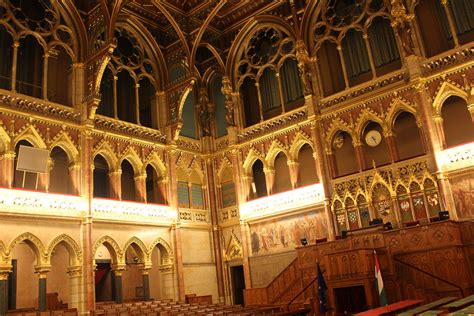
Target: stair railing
column 430, row 274
column 301, row 292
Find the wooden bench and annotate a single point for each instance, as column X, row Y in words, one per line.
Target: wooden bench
column 432, row 305
column 392, row 308
column 459, row 304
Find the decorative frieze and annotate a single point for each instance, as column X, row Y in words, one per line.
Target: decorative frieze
column 187, row 215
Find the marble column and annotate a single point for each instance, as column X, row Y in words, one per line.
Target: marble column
column 391, row 146
column 359, row 153
column 146, row 283
column 4, row 291
column 75, row 175
column 115, row 184
column 117, row 271
column 8, row 173
column 75, row 275
column 269, row 179
column 140, row 188
column 244, row 229
column 179, row 262
column 42, row 273
column 294, row 176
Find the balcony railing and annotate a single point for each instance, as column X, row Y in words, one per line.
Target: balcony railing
column 131, row 211
column 17, row 201
column 304, row 197
column 458, row 157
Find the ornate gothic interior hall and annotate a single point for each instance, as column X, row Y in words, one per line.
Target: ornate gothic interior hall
column 219, row 150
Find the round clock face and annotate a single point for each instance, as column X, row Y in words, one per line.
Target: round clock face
column 373, row 138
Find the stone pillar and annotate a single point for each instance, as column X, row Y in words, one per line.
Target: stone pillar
column 75, row 275
column 244, row 229
column 470, row 105
column 8, row 173
column 4, row 291
column 117, row 271
column 322, row 172
column 87, row 296
column 359, row 153
column 391, row 146
column 179, row 262
column 14, row 64
column 75, row 175
column 137, row 103
column 216, row 231
column 115, row 184
column 331, row 163
column 294, row 176
column 163, row 188
column 42, row 272
column 45, row 76
column 146, row 283
column 140, row 188
column 269, row 179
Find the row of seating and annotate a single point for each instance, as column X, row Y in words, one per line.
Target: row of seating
column 165, row 308
column 32, row 312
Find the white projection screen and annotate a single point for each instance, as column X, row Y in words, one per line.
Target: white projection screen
column 32, row 159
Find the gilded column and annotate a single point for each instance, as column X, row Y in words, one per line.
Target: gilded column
column 8, row 175
column 391, row 146
column 137, row 103
column 269, row 179
column 323, row 176
column 294, row 176
column 140, row 188
column 115, row 184
column 75, row 175
column 359, row 153
column 216, row 231
column 45, row 76
column 14, row 64
column 331, row 163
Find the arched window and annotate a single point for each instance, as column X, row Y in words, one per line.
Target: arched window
column 291, row 84
column 155, row 191
column 127, row 181
column 270, row 93
column 344, row 155
column 148, row 110
column 126, row 110
column 407, row 136
column 183, row 189
column 59, row 176
column 106, row 106
column 383, row 46
column 282, row 174
column 249, row 94
column 227, row 188
column 6, row 56
column 29, row 69
column 307, row 167
column 455, row 114
column 259, row 186
column 219, row 104
column 189, row 117
column 355, row 57
column 101, row 178
column 330, row 68
column 60, row 76
column 434, row 26
column 463, row 20
column 374, row 151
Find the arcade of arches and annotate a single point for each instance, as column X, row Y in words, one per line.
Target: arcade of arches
column 186, row 139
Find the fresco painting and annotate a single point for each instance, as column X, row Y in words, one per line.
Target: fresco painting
column 286, row 233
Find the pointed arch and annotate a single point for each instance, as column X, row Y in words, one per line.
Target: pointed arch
column 299, row 141
column 155, row 161
column 31, row 135
column 132, row 157
column 338, row 125
column 65, row 143
column 365, row 118
column 140, row 248
column 275, row 148
column 398, row 105
column 225, row 163
column 105, row 150
column 447, row 90
column 253, row 156
column 187, row 90
column 239, row 42
column 167, row 255
column 112, row 246
column 33, row 242
column 75, row 252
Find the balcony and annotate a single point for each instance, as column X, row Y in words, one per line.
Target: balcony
column 456, row 158
column 309, row 196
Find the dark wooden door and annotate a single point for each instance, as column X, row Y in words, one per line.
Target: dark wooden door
column 238, row 284
column 350, row 300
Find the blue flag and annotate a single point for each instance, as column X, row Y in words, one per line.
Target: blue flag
column 321, row 291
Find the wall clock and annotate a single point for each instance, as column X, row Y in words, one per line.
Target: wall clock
column 373, row 138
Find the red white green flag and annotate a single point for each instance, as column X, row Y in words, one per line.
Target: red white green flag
column 379, row 282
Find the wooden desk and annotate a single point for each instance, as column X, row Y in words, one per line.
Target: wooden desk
column 429, row 306
column 391, row 309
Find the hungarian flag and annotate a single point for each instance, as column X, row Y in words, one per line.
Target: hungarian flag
column 379, row 282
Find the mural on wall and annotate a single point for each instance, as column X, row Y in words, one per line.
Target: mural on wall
column 286, row 233
column 463, row 193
